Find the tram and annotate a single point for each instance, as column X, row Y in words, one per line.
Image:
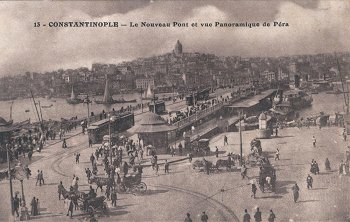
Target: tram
column 122, row 122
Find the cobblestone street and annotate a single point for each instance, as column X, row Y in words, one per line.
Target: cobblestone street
column 186, row 190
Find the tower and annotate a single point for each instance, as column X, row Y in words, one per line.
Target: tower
column 178, row 48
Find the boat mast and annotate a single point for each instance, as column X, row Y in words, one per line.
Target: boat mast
column 11, row 110
column 36, row 108
column 345, row 91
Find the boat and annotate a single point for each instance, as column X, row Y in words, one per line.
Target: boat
column 149, row 94
column 287, row 103
column 108, row 98
column 73, row 98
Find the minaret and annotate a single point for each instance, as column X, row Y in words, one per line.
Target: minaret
column 178, row 48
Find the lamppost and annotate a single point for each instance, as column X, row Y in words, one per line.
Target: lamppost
column 111, row 119
column 88, row 101
column 240, row 139
column 20, row 175
column 10, row 178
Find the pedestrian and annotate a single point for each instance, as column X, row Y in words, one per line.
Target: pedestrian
column 157, row 168
column 42, row 177
column 327, row 164
column 64, row 143
column 125, row 168
column 254, row 189
column 295, row 189
column 60, row 190
column 166, row 166
column 277, row 155
column 38, row 179
column 141, row 154
column 77, row 156
column 204, row 217
column 90, row 142
column 344, row 134
column 16, row 205
column 188, row 218
column 33, row 205
column 243, row 171
column 92, row 159
column 70, row 208
column 114, row 198
column 217, row 152
column 190, row 157
column 180, row 149
column 246, row 217
column 309, row 181
column 30, row 154
column 225, row 140
column 108, row 192
column 257, row 215
column 272, row 216
column 314, row 140
column 276, row 131
column 206, row 165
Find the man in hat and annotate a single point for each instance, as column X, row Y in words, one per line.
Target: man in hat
column 309, row 181
column 272, row 216
column 246, row 217
column 295, row 189
column 257, row 215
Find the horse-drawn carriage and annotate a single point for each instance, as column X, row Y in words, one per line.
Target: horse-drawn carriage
column 131, row 183
column 92, row 205
column 201, row 147
column 267, row 178
column 86, row 202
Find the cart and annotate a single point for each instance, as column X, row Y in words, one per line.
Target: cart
column 132, row 184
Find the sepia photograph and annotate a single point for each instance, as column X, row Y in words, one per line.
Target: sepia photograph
column 175, row 110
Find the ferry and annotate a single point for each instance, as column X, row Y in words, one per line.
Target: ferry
column 288, row 102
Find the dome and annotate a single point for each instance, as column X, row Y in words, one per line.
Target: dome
column 152, row 119
column 262, row 116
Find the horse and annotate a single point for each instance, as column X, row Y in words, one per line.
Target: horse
column 101, row 181
column 200, row 164
column 73, row 196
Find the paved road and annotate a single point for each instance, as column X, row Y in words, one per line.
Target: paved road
column 59, row 165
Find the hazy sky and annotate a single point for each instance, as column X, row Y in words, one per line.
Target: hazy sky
column 314, row 27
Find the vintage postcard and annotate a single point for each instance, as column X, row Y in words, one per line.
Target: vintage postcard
column 192, row 110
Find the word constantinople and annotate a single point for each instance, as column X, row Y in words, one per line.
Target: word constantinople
column 86, row 24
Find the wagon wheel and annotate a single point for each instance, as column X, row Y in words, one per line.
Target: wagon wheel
column 90, row 210
column 105, row 207
column 142, row 187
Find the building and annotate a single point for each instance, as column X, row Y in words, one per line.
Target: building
column 143, row 82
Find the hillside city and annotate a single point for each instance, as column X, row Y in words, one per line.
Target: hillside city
column 178, row 71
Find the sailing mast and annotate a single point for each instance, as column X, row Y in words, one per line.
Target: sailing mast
column 345, row 91
column 11, row 110
column 107, row 97
column 72, row 95
column 36, row 108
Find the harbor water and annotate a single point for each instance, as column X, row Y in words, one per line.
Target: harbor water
column 322, row 102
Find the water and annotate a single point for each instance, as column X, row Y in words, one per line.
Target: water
column 60, row 108
column 327, row 103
